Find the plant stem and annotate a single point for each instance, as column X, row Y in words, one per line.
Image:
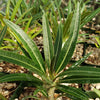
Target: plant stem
column 51, row 93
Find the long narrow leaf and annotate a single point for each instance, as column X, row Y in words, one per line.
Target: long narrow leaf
column 66, row 28
column 28, row 44
column 74, row 92
column 19, row 60
column 28, row 24
column 21, row 17
column 47, row 41
column 97, row 91
column 80, row 61
column 74, row 65
column 23, row 50
column 27, row 97
column 15, row 9
column 58, row 43
column 2, row 74
column 69, row 7
column 82, row 75
column 81, row 79
column 7, row 9
column 18, row 90
column 82, row 71
column 19, row 77
column 92, row 94
column 89, row 17
column 2, row 97
column 68, row 48
column 2, row 34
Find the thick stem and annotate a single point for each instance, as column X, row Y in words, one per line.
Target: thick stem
column 51, row 93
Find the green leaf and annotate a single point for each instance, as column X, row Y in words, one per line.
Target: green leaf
column 15, row 9
column 81, row 79
column 18, row 91
column 54, row 23
column 74, row 92
column 66, row 28
column 28, row 24
column 74, row 65
column 92, row 94
column 97, row 91
column 7, row 47
column 80, row 61
column 84, row 15
column 10, row 40
column 19, row 77
column 42, row 90
column 83, row 71
column 2, row 34
column 69, row 7
column 24, row 20
column 69, row 46
column 20, row 60
column 25, row 4
column 7, row 9
column 58, row 43
column 2, row 97
column 27, row 97
column 2, row 74
column 81, row 75
column 35, row 34
column 89, row 17
column 21, row 17
column 29, row 44
column 47, row 41
column 23, row 50
column 3, row 13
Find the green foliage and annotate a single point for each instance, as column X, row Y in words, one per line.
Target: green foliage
column 95, row 93
column 50, row 70
column 73, row 93
column 2, row 97
column 47, row 41
column 69, row 45
column 98, row 42
column 24, row 14
column 2, row 34
column 89, row 17
column 65, row 17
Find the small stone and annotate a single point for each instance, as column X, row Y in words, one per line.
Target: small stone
column 10, row 86
column 60, row 98
column 16, row 99
column 21, row 71
column 6, row 93
column 97, row 99
column 1, row 69
column 98, row 86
